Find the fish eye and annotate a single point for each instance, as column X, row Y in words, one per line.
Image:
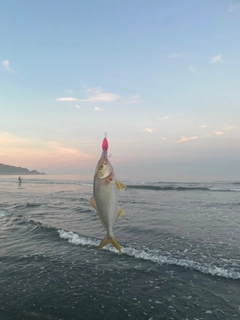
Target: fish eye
column 100, row 167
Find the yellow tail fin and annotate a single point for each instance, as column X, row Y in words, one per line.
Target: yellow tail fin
column 111, row 240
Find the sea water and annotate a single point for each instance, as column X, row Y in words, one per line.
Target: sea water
column 180, row 251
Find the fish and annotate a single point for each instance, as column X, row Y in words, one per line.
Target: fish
column 105, row 198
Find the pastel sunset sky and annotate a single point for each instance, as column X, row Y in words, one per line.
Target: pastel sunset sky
column 161, row 77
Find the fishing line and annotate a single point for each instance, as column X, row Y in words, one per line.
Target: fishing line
column 105, row 80
column 105, row 62
column 105, row 123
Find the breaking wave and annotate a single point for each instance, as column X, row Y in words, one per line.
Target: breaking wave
column 179, row 188
column 155, row 257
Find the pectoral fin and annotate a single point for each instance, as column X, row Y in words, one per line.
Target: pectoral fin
column 93, row 203
column 120, row 185
column 120, row 212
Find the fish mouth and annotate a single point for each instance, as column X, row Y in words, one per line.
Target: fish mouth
column 107, row 176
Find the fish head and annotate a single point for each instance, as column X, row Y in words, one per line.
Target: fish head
column 104, row 168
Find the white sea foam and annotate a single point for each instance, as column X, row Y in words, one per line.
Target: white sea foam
column 155, row 257
column 222, row 189
column 2, row 213
column 74, row 238
column 85, row 184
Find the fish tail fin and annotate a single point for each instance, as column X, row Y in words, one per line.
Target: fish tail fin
column 111, row 240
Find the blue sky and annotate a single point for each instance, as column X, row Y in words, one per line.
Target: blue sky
column 161, row 77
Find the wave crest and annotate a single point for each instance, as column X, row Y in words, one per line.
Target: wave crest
column 154, row 257
column 180, row 188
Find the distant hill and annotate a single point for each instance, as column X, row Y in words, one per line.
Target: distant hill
column 6, row 169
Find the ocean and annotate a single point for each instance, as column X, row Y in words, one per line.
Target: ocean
column 180, row 251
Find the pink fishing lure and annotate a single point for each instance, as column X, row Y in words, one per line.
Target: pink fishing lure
column 105, row 144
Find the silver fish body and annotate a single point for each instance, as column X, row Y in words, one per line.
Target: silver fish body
column 105, row 199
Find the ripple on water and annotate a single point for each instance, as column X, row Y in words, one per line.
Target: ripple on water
column 2, row 213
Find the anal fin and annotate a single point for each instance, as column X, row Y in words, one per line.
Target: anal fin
column 120, row 212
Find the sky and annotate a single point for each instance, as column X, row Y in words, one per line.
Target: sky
column 162, row 78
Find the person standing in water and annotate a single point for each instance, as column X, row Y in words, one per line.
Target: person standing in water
column 19, row 180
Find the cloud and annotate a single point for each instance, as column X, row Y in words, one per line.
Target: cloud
column 5, row 65
column 97, row 109
column 77, row 106
column 164, row 118
column 134, row 100
column 184, row 139
column 96, row 95
column 204, row 126
column 5, row 134
column 228, row 128
column 163, row 138
column 192, row 69
column 33, row 153
column 234, row 7
column 175, row 55
column 150, row 130
column 219, row 133
column 217, row 58
column 67, row 99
